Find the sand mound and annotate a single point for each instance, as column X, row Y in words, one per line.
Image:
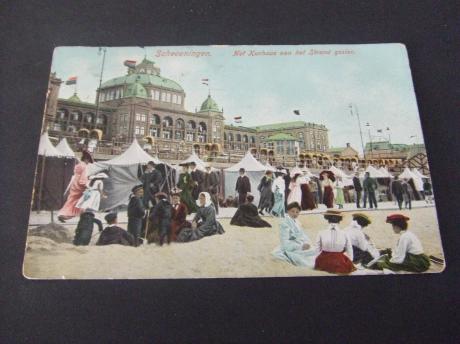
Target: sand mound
column 53, row 231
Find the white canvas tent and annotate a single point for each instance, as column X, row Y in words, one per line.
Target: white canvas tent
column 254, row 170
column 373, row 172
column 417, row 173
column 123, row 174
column 385, row 172
column 270, row 167
column 407, row 174
column 46, row 148
column 64, row 148
column 196, row 159
column 346, row 179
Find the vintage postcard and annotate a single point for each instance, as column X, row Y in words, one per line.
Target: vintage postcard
column 231, row 161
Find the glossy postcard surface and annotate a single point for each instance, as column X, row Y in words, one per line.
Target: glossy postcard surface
column 231, row 161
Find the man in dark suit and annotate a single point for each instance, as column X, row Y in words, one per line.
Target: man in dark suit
column 151, row 181
column 136, row 213
column 369, row 186
column 358, row 189
column 114, row 235
column 243, row 186
column 198, row 179
column 398, row 191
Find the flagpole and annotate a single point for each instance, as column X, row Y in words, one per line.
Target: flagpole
column 359, row 125
column 104, row 50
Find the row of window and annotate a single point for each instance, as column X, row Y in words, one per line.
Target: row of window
column 117, row 93
column 167, row 121
column 168, row 134
column 64, row 115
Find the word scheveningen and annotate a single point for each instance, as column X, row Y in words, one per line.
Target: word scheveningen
column 166, row 53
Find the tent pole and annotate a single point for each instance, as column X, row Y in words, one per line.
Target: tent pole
column 42, row 175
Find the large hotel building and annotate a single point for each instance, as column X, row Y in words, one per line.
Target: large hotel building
column 145, row 105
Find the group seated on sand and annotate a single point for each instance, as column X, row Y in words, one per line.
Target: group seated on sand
column 337, row 251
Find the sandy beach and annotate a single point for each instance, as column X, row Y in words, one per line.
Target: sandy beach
column 240, row 252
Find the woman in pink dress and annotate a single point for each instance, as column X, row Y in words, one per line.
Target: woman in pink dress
column 77, row 187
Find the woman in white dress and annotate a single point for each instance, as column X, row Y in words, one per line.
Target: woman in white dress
column 91, row 198
column 295, row 194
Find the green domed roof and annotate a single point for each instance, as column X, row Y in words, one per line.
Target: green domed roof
column 209, row 105
column 145, row 80
column 136, row 90
column 75, row 98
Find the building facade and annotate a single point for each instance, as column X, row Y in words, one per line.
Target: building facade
column 145, row 105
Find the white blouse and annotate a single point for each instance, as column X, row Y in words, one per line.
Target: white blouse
column 407, row 243
column 358, row 239
column 334, row 239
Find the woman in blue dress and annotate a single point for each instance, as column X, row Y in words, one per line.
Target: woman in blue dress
column 278, row 188
column 295, row 246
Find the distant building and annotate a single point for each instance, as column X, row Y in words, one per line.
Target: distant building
column 145, row 105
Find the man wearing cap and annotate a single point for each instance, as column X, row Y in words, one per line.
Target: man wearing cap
column 114, row 235
column 363, row 250
column 160, row 220
column 408, row 254
column 211, row 185
column 198, row 179
column 358, row 189
column 335, row 246
column 136, row 213
column 151, row 181
column 243, row 186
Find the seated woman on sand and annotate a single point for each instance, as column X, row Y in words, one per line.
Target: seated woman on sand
column 204, row 222
column 408, row 254
column 247, row 215
column 333, row 242
column 363, row 250
column 295, row 246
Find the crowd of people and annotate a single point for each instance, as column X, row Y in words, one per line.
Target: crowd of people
column 158, row 217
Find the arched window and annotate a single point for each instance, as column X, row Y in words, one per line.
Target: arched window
column 180, row 124
column 191, row 125
column 89, row 117
column 62, row 114
column 167, row 122
column 76, row 116
column 245, row 138
column 225, row 136
column 202, row 127
column 253, row 139
column 155, row 120
column 230, row 136
column 238, row 138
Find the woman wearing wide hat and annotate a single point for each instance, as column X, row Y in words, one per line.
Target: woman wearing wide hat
column 327, row 185
column 335, row 246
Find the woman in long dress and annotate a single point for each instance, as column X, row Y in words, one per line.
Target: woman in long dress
column 266, row 194
column 295, row 246
column 327, row 185
column 278, row 189
column 295, row 191
column 178, row 220
column 91, row 198
column 76, row 189
column 204, row 222
column 308, row 201
column 186, row 184
column 247, row 216
column 339, row 196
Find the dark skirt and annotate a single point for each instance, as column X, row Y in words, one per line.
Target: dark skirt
column 360, row 256
column 412, row 263
column 328, row 197
column 190, row 234
column 245, row 220
column 308, row 201
column 334, row 262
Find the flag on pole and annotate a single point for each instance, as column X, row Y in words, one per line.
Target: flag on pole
column 130, row 63
column 204, row 79
column 238, row 119
column 71, row 81
column 205, row 83
column 379, row 130
column 297, row 112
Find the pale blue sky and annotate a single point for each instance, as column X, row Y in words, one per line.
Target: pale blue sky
column 266, row 89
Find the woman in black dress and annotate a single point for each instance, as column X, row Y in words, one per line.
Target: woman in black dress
column 247, row 215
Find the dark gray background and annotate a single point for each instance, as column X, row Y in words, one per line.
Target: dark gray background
column 376, row 309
